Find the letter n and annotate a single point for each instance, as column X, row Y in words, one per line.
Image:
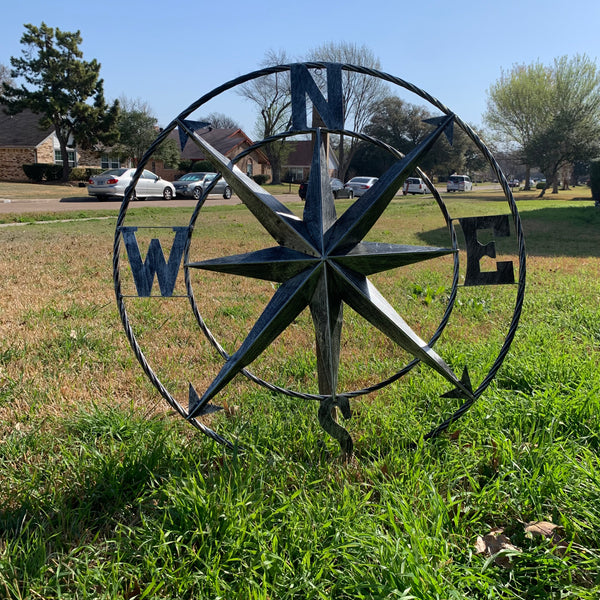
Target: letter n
column 331, row 110
column 155, row 263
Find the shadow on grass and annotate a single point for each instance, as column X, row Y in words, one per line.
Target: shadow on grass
column 572, row 231
column 110, row 469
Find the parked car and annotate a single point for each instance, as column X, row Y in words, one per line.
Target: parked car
column 192, row 185
column 114, row 182
column 459, row 183
column 359, row 185
column 337, row 188
column 415, row 185
column 514, row 183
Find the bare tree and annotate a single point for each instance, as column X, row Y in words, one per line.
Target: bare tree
column 5, row 75
column 361, row 93
column 273, row 97
column 220, row 121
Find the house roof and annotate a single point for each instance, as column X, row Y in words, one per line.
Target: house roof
column 301, row 155
column 227, row 141
column 22, row 130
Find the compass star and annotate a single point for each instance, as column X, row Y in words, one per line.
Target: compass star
column 322, row 263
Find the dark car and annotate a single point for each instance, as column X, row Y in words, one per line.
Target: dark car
column 337, row 188
column 192, row 185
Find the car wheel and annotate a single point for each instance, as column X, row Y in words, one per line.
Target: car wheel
column 197, row 193
column 350, row 194
column 227, row 193
column 167, row 194
column 335, row 194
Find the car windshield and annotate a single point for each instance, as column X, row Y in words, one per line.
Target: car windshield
column 192, row 177
column 115, row 172
column 360, row 180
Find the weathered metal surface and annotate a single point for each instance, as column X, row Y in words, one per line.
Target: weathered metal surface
column 321, row 261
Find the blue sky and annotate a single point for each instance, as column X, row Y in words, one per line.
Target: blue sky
column 169, row 54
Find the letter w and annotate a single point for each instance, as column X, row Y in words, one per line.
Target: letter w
column 155, row 263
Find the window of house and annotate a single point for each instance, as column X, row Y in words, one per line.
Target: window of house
column 70, row 156
column 249, row 168
column 294, row 174
column 110, row 162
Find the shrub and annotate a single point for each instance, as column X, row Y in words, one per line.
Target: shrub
column 261, row 179
column 540, row 185
column 78, row 174
column 84, row 173
column 54, row 172
column 202, row 166
column 595, row 180
column 43, row 171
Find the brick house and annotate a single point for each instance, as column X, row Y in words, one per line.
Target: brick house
column 22, row 141
column 298, row 161
column 229, row 142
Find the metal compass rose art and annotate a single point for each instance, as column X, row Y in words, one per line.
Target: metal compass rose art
column 320, row 261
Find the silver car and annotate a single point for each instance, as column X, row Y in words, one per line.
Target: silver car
column 359, row 185
column 114, row 182
column 193, row 185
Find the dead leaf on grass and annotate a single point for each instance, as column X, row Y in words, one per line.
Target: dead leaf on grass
column 493, row 543
column 551, row 531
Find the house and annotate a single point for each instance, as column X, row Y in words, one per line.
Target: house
column 23, row 141
column 229, row 142
column 296, row 165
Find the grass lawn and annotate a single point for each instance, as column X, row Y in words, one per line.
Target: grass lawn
column 106, row 494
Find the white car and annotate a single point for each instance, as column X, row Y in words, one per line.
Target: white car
column 114, row 182
column 359, row 185
column 415, row 185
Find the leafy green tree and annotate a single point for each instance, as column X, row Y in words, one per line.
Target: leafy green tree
column 65, row 90
column 516, row 107
column 401, row 125
column 552, row 113
column 138, row 128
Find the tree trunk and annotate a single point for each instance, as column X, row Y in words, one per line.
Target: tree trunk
column 66, row 169
column 341, row 167
column 275, row 161
column 527, row 187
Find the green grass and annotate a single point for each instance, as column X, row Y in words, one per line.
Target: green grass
column 105, row 494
